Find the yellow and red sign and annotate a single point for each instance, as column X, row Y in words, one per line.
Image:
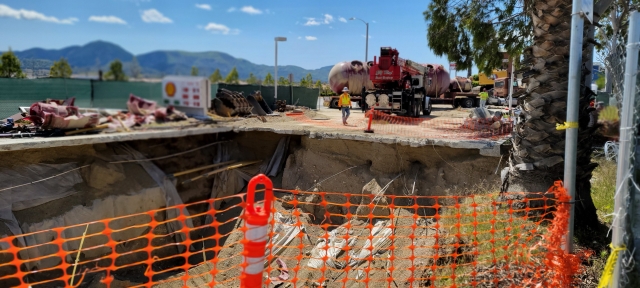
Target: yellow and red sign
column 170, row 89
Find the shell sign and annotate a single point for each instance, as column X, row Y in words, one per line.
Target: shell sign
column 170, row 89
column 191, row 95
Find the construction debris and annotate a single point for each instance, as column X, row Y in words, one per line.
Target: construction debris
column 231, row 103
column 51, row 114
column 331, row 248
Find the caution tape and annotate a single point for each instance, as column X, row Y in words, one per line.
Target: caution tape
column 608, row 268
column 567, row 125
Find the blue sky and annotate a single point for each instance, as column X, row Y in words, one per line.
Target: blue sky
column 319, row 32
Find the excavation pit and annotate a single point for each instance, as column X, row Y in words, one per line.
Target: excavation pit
column 111, row 178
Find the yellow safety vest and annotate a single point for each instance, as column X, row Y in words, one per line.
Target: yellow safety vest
column 484, row 95
column 345, row 100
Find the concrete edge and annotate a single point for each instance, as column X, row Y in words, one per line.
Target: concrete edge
column 485, row 147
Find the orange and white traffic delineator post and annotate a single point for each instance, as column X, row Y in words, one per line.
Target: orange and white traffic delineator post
column 255, row 236
column 369, row 130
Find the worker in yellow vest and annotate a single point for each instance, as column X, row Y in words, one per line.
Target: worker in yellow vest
column 484, row 96
column 345, row 105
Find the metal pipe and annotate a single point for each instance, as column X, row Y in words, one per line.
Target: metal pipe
column 275, row 82
column 626, row 136
column 573, row 99
column 366, row 51
column 510, row 88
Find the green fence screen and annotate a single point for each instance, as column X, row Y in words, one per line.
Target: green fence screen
column 107, row 94
column 15, row 93
column 111, row 94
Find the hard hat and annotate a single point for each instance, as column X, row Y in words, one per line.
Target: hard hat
column 345, row 89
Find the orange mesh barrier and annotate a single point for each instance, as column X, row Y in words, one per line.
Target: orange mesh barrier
column 315, row 239
column 431, row 128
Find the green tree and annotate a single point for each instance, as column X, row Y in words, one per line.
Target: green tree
column 303, row 83
column 252, row 79
column 136, row 71
column 318, row 84
column 194, row 71
column 10, row 66
column 283, row 81
column 115, row 72
column 232, row 77
column 600, row 82
column 309, row 80
column 481, row 31
column 268, row 80
column 215, row 77
column 60, row 69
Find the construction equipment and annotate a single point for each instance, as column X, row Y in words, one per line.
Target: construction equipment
column 399, row 84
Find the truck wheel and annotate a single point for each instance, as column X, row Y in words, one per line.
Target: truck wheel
column 467, row 103
column 417, row 107
column 427, row 112
column 333, row 103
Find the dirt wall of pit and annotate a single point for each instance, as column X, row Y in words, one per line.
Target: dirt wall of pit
column 100, row 188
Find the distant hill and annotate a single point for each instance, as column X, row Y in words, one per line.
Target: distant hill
column 98, row 54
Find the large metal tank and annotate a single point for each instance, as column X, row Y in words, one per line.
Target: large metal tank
column 461, row 84
column 437, row 80
column 353, row 75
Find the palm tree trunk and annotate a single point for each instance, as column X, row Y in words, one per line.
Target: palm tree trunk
column 537, row 155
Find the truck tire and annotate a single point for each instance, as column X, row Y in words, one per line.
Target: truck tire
column 333, row 103
column 416, row 108
column 467, row 102
column 427, row 112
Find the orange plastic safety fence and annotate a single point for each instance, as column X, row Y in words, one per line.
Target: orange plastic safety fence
column 431, row 128
column 315, row 239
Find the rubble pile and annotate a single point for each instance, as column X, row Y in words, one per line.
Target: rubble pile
column 481, row 119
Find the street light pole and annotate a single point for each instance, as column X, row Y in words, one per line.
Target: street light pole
column 275, row 82
column 366, row 51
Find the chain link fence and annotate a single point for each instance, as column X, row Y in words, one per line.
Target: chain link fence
column 622, row 65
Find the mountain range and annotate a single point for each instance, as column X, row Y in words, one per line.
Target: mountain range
column 97, row 55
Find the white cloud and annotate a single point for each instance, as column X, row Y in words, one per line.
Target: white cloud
column 364, row 36
column 342, row 19
column 6, row 11
column 315, row 22
column 310, row 38
column 231, row 9
column 311, row 22
column 220, row 29
column 204, row 6
column 299, row 37
column 107, row 19
column 374, row 21
column 328, row 19
column 154, row 16
column 251, row 10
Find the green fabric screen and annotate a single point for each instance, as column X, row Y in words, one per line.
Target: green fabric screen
column 112, row 94
column 24, row 92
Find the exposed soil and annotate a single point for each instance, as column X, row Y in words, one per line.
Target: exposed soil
column 322, row 164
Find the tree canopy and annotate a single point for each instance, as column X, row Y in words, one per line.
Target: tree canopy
column 60, row 69
column 268, row 80
column 283, row 81
column 115, row 72
column 252, row 79
column 194, row 71
column 215, row 77
column 468, row 32
column 10, row 66
column 318, row 84
column 136, row 71
column 232, row 77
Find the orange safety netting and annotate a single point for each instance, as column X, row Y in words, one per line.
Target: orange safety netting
column 430, row 128
column 316, row 239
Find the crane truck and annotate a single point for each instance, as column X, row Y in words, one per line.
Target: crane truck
column 401, row 86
